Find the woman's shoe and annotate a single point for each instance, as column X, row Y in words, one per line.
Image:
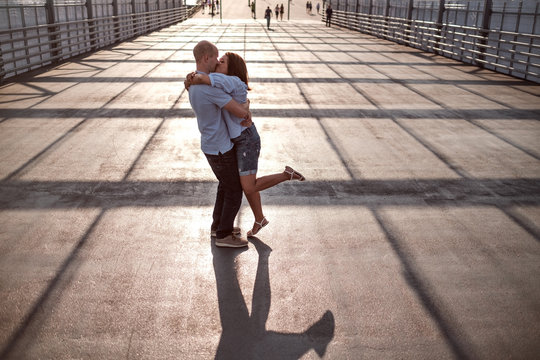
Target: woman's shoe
column 289, row 170
column 261, row 224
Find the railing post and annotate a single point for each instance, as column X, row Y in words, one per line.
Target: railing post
column 116, row 23
column 533, row 28
column 370, row 17
column 134, row 16
column 134, row 19
column 386, row 13
column 147, row 15
column 440, row 14
column 2, row 68
column 356, row 26
column 158, row 19
column 484, row 31
column 52, row 28
column 516, row 29
column 409, row 19
column 439, row 25
column 347, row 13
column 91, row 23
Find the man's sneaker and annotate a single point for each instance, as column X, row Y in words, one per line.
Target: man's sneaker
column 235, row 231
column 231, row 241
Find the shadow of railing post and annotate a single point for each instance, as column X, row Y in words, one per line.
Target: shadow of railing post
column 448, row 328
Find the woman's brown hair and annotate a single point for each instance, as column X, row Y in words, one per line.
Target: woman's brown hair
column 237, row 67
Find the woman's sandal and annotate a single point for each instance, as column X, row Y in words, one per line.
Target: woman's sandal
column 289, row 170
column 261, row 224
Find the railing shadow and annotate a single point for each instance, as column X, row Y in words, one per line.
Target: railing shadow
column 26, row 330
column 245, row 336
column 460, row 346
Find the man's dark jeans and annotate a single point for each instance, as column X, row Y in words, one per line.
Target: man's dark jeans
column 229, row 192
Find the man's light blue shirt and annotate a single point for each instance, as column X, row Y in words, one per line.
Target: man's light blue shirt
column 207, row 102
column 235, row 87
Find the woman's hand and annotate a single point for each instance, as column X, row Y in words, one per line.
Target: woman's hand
column 247, row 122
column 193, row 78
column 246, row 105
column 189, row 80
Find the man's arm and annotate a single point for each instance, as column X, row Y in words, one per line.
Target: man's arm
column 240, row 110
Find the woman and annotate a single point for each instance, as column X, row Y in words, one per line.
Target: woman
column 231, row 76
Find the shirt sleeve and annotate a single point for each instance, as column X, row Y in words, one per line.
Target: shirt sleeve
column 225, row 82
column 215, row 95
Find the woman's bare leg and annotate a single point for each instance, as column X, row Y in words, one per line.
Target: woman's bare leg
column 254, row 200
column 253, row 197
column 252, row 184
column 252, row 187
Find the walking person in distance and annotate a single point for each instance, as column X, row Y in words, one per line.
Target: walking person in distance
column 329, row 12
column 267, row 16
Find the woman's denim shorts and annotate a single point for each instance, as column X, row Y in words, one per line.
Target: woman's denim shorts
column 248, row 148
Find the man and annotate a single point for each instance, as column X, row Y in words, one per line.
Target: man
column 329, row 15
column 208, row 103
column 267, row 16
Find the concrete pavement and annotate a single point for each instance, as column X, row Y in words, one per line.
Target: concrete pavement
column 415, row 236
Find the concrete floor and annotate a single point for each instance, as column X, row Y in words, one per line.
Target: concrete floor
column 415, row 236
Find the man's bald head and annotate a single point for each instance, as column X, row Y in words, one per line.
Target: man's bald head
column 203, row 48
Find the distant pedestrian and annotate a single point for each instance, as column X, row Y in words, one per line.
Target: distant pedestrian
column 307, row 7
column 253, row 9
column 277, row 12
column 267, row 16
column 329, row 15
column 318, row 7
column 281, row 11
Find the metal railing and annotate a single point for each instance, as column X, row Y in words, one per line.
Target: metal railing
column 26, row 48
column 510, row 52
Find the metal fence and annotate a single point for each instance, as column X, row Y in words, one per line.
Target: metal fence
column 500, row 35
column 35, row 33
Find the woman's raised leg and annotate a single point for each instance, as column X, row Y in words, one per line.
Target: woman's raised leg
column 252, row 187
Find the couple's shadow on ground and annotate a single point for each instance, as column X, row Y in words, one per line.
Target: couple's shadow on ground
column 244, row 336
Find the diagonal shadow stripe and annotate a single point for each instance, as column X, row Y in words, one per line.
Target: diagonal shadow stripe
column 459, row 345
column 57, row 283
